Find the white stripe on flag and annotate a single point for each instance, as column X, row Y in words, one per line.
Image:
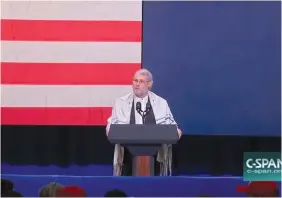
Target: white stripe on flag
column 71, row 52
column 61, row 95
column 73, row 10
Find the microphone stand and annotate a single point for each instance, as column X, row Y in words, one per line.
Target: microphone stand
column 143, row 115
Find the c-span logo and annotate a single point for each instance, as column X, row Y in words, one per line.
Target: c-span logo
column 262, row 166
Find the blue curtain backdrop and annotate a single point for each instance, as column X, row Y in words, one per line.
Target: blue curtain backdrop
column 217, row 63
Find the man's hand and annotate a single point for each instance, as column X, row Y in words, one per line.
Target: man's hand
column 179, row 132
column 107, row 131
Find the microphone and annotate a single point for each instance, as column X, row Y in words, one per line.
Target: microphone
column 139, row 110
column 138, row 107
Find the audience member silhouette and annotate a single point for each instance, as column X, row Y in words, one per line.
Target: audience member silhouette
column 7, row 189
column 50, row 189
column 13, row 194
column 260, row 189
column 71, row 191
column 115, row 193
column 7, row 186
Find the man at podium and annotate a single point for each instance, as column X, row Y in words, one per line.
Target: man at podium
column 129, row 109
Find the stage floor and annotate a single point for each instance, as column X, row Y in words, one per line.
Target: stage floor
column 29, row 179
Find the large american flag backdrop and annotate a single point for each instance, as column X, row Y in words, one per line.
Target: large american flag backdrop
column 64, row 62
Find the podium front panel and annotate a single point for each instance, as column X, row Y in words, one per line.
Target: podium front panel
column 143, row 166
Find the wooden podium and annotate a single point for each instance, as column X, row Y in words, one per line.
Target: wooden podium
column 143, row 166
column 143, row 142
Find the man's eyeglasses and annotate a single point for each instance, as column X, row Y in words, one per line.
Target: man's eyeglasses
column 136, row 81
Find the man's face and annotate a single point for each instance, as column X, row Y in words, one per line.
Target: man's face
column 141, row 85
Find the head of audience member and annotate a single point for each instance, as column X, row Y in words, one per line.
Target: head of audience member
column 71, row 191
column 12, row 194
column 260, row 189
column 50, row 189
column 115, row 193
column 7, row 186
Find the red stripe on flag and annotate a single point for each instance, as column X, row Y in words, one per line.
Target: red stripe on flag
column 47, row 30
column 68, row 73
column 55, row 116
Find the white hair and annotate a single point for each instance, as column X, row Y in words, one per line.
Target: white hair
column 145, row 72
